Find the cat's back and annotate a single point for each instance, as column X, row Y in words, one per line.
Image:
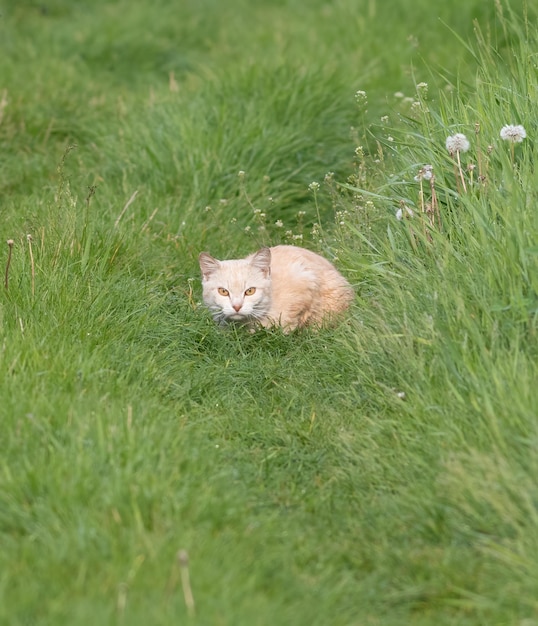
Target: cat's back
column 309, row 282
column 293, row 262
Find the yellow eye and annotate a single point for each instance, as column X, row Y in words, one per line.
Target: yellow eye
column 250, row 291
column 223, row 292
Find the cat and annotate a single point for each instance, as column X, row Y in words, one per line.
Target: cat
column 283, row 286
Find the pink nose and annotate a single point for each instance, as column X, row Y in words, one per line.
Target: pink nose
column 237, row 307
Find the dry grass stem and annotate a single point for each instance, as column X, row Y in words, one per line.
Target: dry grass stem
column 127, row 205
column 32, row 266
column 183, row 560
column 10, row 243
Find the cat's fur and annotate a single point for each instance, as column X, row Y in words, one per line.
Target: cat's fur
column 292, row 287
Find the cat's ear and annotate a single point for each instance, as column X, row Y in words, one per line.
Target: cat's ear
column 261, row 260
column 208, row 264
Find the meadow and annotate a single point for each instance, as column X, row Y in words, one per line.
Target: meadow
column 156, row 469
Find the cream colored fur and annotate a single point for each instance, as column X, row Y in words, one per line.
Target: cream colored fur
column 284, row 285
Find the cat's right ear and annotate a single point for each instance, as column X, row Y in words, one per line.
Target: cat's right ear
column 208, row 264
column 262, row 261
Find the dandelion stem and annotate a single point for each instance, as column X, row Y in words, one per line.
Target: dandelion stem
column 10, row 243
column 458, row 186
column 461, row 171
column 478, row 150
column 422, row 207
column 435, row 203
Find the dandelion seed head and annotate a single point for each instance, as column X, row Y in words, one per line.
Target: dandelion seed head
column 514, row 134
column 457, row 143
column 424, row 173
column 404, row 212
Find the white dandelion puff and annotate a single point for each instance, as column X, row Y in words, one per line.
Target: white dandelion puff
column 513, row 134
column 404, row 213
column 457, row 143
column 424, row 173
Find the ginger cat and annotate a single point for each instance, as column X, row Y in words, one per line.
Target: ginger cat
column 281, row 286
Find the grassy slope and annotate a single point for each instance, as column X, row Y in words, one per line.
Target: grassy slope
column 303, row 488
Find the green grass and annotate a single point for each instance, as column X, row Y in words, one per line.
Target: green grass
column 381, row 472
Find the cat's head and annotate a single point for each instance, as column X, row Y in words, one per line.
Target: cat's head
column 237, row 290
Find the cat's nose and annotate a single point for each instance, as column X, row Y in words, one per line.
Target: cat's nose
column 237, row 307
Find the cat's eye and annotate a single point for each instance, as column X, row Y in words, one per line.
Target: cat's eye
column 223, row 292
column 250, row 291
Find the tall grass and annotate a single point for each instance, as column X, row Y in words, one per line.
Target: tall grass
column 380, row 472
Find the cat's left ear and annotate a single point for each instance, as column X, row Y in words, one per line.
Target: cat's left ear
column 261, row 260
column 208, row 264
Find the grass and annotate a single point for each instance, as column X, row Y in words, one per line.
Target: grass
column 382, row 472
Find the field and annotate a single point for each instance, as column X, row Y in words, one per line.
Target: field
column 156, row 469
